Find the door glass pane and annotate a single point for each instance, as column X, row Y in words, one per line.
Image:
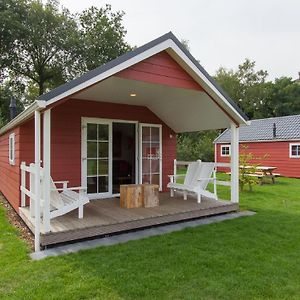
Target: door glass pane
column 154, row 134
column 102, row 132
column 92, row 132
column 154, row 166
column 91, row 167
column 97, row 158
column 146, row 134
column 124, row 156
column 92, row 149
column 146, row 166
column 103, row 149
column 146, row 179
column 102, row 184
column 92, row 185
column 146, row 149
column 155, row 179
column 155, row 151
column 102, row 166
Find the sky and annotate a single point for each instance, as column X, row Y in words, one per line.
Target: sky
column 220, row 32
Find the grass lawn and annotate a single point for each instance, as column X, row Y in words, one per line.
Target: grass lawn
column 254, row 257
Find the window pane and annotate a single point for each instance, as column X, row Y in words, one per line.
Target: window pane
column 103, row 149
column 154, row 134
column 92, row 132
column 155, row 179
column 92, row 185
column 102, row 167
column 91, row 167
column 146, row 150
column 146, row 179
column 154, row 165
column 146, row 166
column 103, row 132
column 92, row 149
column 145, row 134
column 155, row 151
column 102, row 184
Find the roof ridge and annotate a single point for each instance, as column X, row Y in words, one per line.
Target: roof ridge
column 280, row 117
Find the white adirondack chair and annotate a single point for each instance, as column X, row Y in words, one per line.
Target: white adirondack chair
column 197, row 177
column 64, row 199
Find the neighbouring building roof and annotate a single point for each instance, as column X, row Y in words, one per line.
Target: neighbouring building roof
column 286, row 128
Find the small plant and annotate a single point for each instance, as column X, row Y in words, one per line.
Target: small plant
column 248, row 170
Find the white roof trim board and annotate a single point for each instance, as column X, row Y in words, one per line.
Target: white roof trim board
column 287, row 129
column 166, row 42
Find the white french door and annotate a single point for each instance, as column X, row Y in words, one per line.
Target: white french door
column 109, row 155
column 150, row 154
column 97, row 157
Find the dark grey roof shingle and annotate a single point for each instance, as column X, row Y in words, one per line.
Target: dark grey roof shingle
column 287, row 128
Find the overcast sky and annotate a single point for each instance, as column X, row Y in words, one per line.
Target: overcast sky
column 220, row 32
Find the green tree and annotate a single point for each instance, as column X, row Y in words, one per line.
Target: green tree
column 285, row 97
column 43, row 46
column 196, row 145
column 102, row 37
column 247, row 87
column 41, row 49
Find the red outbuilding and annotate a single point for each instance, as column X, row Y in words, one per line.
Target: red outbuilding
column 272, row 141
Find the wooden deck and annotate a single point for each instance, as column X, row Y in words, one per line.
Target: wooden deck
column 103, row 217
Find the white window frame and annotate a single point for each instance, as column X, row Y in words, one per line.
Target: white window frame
column 226, row 146
column 291, row 146
column 11, row 149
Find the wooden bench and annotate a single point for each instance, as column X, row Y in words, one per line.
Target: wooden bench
column 261, row 176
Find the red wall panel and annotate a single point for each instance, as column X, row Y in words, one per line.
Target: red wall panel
column 269, row 154
column 162, row 69
column 10, row 175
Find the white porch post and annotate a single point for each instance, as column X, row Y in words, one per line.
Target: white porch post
column 234, row 163
column 37, row 158
column 47, row 168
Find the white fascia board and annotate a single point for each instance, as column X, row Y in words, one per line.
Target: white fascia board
column 118, row 68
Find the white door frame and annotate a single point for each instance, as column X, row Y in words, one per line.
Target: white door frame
column 84, row 122
column 141, row 125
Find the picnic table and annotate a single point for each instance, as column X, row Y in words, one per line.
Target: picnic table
column 262, row 172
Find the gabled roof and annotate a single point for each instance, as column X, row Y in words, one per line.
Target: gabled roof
column 287, row 128
column 125, row 57
column 179, row 53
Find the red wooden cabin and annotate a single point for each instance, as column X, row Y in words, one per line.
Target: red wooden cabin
column 115, row 125
column 272, row 141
